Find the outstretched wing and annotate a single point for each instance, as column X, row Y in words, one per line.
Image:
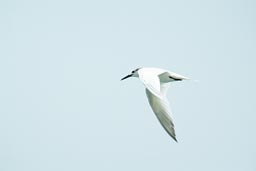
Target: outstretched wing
column 151, row 81
column 150, row 78
column 163, row 113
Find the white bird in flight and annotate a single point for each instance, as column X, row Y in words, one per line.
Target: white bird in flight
column 157, row 81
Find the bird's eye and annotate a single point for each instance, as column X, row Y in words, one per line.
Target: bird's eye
column 133, row 71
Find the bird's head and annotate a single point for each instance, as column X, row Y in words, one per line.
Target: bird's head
column 134, row 73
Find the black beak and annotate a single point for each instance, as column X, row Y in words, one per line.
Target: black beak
column 126, row 77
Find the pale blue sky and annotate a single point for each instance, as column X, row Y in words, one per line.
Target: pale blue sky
column 64, row 108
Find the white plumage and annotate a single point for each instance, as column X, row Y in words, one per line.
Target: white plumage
column 157, row 82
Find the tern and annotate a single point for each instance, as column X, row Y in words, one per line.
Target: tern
column 157, row 82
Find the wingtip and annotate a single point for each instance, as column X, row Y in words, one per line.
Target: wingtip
column 174, row 138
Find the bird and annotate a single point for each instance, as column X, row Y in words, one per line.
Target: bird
column 157, row 82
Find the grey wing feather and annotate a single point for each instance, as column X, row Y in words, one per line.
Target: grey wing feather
column 164, row 88
column 162, row 112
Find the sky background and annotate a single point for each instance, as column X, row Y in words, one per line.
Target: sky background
column 63, row 106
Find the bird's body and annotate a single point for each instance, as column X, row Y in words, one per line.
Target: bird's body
column 157, row 82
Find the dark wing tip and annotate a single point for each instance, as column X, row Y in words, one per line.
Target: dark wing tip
column 175, row 79
column 175, row 139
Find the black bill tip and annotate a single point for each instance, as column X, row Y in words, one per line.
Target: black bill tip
column 126, row 77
